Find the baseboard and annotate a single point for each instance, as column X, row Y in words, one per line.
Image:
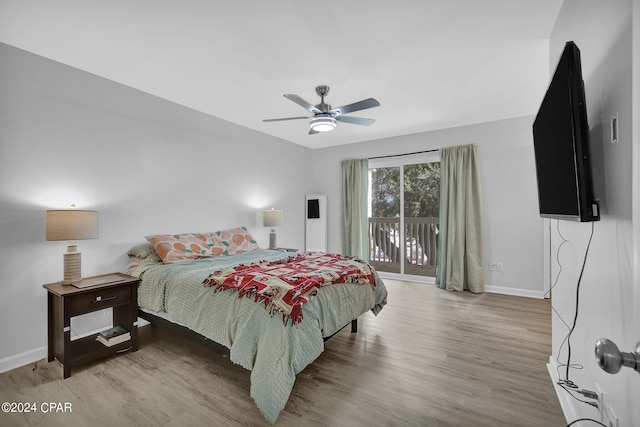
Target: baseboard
column 566, row 404
column 18, row 360
column 487, row 288
column 514, row 291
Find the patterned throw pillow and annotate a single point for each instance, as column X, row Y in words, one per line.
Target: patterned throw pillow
column 180, row 247
column 232, row 241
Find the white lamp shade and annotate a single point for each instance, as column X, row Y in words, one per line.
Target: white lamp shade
column 72, row 224
column 272, row 218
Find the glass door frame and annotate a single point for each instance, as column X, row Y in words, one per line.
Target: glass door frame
column 401, row 161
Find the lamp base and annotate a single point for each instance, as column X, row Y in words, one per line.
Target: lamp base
column 272, row 240
column 72, row 262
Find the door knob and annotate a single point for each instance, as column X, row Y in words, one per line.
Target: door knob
column 611, row 359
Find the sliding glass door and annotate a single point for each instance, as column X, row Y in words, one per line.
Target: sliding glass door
column 384, row 218
column 404, row 201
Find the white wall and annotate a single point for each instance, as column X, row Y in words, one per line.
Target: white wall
column 147, row 165
column 603, row 32
column 513, row 228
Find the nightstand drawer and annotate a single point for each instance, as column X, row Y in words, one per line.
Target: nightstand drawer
column 99, row 299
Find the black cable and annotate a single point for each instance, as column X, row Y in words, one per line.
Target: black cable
column 585, row 419
column 564, row 241
column 560, row 365
column 575, row 318
column 586, row 402
column 566, row 384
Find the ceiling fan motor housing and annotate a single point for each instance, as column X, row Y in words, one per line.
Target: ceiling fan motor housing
column 324, row 107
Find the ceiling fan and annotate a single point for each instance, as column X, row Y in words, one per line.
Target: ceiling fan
column 324, row 118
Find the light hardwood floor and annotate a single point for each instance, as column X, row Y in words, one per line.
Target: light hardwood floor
column 431, row 358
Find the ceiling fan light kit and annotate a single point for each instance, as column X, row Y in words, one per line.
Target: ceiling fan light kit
column 324, row 118
column 322, row 123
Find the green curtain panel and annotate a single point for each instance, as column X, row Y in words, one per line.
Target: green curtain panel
column 354, row 227
column 461, row 241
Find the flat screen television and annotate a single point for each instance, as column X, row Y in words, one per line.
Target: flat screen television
column 561, row 145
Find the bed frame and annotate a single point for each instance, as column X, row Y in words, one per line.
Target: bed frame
column 218, row 348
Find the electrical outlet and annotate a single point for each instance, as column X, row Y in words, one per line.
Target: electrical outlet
column 610, row 418
column 496, row 266
column 600, row 401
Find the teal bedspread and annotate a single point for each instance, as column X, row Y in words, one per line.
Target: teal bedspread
column 273, row 352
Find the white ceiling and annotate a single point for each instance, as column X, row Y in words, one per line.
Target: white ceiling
column 432, row 64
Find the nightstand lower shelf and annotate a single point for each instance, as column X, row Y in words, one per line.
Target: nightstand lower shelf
column 87, row 349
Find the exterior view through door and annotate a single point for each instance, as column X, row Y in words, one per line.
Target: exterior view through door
column 404, row 205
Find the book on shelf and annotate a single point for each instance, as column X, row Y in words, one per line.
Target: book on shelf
column 113, row 336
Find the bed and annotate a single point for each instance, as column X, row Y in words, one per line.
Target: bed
column 273, row 344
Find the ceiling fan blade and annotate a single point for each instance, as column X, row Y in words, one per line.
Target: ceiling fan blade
column 285, row 118
column 356, row 106
column 304, row 104
column 313, row 132
column 356, row 120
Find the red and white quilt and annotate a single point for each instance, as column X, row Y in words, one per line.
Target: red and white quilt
column 284, row 286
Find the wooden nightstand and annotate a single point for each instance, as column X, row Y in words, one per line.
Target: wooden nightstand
column 67, row 301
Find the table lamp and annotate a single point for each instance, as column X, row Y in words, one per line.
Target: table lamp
column 272, row 218
column 72, row 224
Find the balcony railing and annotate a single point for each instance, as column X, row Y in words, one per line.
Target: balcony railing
column 420, row 245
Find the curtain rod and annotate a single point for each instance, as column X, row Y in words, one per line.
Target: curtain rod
column 405, row 154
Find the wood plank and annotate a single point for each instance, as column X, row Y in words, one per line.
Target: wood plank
column 431, row 358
